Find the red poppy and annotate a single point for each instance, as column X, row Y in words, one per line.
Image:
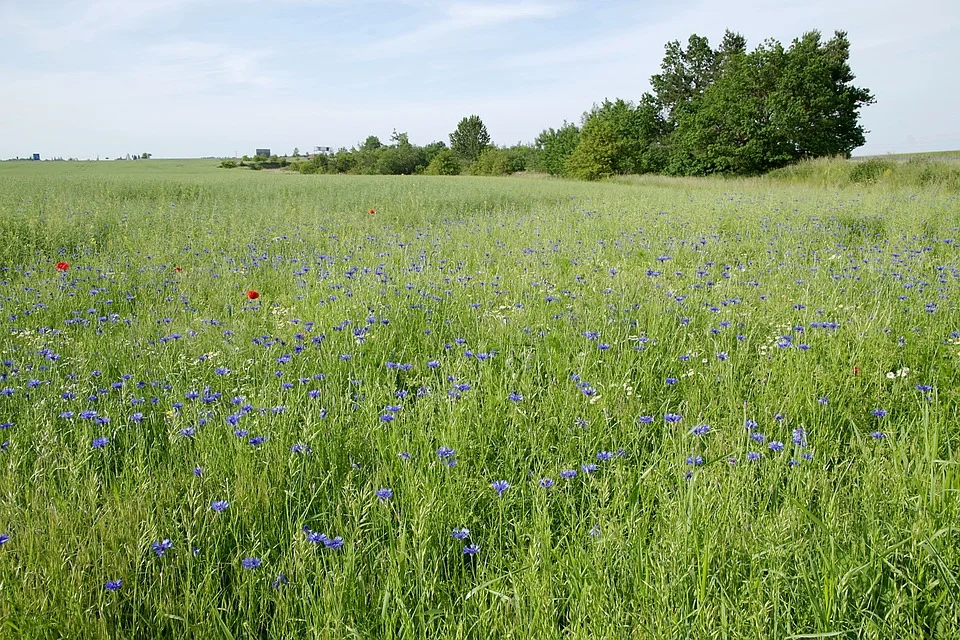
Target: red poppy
column 856, row 371
column 372, row 211
column 62, row 266
column 253, row 295
column 177, row 269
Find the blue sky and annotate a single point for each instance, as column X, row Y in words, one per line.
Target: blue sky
column 186, row 78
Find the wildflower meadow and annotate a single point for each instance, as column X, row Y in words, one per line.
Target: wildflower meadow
column 269, row 405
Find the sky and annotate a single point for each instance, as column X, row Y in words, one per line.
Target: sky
column 192, row 78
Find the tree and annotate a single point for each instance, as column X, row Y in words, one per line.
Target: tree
column 146, row 156
column 470, row 138
column 372, row 143
column 553, row 147
column 616, row 138
column 296, row 152
column 772, row 107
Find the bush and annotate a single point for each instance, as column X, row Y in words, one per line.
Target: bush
column 228, row 164
column 444, row 163
column 491, row 162
column 869, row 170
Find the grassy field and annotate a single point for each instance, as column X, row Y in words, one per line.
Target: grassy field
column 474, row 407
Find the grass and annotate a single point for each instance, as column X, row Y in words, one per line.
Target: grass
column 929, row 172
column 545, row 322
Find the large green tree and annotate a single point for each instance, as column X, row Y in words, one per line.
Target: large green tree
column 771, row 107
column 470, row 138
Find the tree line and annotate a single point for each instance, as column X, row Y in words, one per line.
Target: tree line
column 722, row 110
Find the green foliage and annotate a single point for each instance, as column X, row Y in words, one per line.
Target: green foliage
column 470, row 138
column 228, row 164
column 431, row 150
column 869, row 170
column 615, row 139
column 444, row 163
column 492, row 162
column 372, row 143
column 552, row 148
column 769, row 108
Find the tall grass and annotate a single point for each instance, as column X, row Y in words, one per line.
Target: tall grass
column 916, row 172
column 549, row 325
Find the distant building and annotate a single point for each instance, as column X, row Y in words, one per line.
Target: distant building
column 322, row 150
column 36, row 156
column 264, row 152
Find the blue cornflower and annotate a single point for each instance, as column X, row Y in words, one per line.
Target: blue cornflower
column 500, row 486
column 806, row 455
column 300, row 448
column 753, row 456
column 388, row 417
column 251, row 563
column 878, row 435
column 405, row 455
column 198, row 471
column 161, row 547
column 645, row 419
column 101, row 442
column 333, row 543
column 219, row 505
column 695, row 460
column 700, row 430
column 446, row 452
column 515, row 397
column 879, row 413
column 187, row 432
column 775, row 445
column 589, row 467
column 604, row 455
column 568, row 473
column 280, row 581
column 671, row 381
column 723, row 355
column 4, row 538
column 460, row 534
column 257, row 440
column 672, row 417
column 471, row 550
column 924, row 387
column 221, row 371
column 384, row 494
column 546, row 483
column 113, row 585
column 433, row 364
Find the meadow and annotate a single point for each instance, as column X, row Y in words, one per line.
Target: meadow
column 268, row 405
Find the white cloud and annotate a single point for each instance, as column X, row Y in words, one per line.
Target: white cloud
column 456, row 21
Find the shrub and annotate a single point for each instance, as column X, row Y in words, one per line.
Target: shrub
column 228, row 164
column 869, row 170
column 444, row 163
column 491, row 162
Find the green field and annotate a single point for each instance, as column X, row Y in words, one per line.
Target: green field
column 661, row 408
